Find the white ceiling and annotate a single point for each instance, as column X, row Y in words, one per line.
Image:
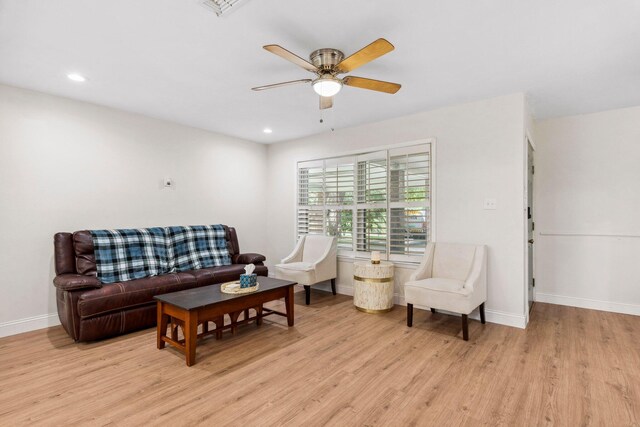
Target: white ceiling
column 174, row 59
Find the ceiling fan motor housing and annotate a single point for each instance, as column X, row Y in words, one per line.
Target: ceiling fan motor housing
column 326, row 59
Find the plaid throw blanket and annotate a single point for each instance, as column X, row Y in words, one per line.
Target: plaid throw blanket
column 123, row 255
column 197, row 246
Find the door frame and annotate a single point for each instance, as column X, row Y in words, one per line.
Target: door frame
column 528, row 141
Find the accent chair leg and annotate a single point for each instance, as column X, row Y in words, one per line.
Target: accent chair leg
column 409, row 315
column 333, row 286
column 307, row 294
column 433, row 310
column 482, row 313
column 465, row 327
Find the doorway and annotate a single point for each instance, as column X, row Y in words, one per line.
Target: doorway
column 531, row 225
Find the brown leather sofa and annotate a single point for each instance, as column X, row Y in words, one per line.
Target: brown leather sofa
column 90, row 310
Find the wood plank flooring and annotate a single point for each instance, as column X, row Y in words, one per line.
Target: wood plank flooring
column 339, row 367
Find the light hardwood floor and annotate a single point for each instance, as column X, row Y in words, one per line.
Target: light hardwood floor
column 340, row 367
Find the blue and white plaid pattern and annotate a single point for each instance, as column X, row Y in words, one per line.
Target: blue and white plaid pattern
column 123, row 255
column 197, row 246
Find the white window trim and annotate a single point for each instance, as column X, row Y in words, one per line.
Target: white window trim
column 408, row 260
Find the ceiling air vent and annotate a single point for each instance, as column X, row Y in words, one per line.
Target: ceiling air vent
column 222, row 7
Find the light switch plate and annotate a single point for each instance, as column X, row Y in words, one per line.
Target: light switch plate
column 490, row 204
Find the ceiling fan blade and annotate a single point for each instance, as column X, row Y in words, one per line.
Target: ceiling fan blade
column 291, row 57
column 275, row 85
column 377, row 85
column 365, row 55
column 326, row 102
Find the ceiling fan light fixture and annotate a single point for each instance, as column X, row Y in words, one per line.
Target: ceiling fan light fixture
column 327, row 85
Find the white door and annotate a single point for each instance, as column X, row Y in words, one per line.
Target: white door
column 531, row 223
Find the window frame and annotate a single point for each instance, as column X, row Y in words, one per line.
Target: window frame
column 355, row 155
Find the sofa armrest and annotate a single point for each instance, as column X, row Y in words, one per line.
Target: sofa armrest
column 248, row 259
column 70, row 282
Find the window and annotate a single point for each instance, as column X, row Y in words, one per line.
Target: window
column 377, row 201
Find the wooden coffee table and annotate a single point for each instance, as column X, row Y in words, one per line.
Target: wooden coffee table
column 192, row 307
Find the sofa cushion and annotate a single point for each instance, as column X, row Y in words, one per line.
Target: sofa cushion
column 226, row 273
column 85, row 258
column 197, row 246
column 203, row 276
column 129, row 254
column 85, row 261
column 232, row 240
column 121, row 295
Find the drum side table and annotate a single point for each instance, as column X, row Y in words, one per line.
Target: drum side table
column 373, row 286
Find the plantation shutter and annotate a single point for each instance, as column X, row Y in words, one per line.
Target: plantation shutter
column 409, row 200
column 310, row 221
column 372, row 203
column 339, row 223
column 378, row 201
column 339, row 195
column 339, row 181
column 372, row 178
column 310, row 217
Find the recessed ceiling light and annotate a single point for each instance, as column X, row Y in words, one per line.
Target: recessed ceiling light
column 267, row 130
column 77, row 77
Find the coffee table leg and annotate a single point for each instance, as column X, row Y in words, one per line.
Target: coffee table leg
column 288, row 301
column 234, row 321
column 162, row 325
column 190, row 337
column 219, row 321
column 174, row 330
column 259, row 315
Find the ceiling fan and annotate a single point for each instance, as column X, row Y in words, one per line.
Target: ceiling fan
column 328, row 63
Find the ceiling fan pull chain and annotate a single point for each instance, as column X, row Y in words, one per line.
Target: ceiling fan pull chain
column 332, row 119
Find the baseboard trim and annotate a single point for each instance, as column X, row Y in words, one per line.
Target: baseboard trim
column 502, row 318
column 28, row 324
column 613, row 307
column 491, row 316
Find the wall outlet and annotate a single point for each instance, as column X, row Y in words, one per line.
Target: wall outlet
column 490, row 204
column 167, row 182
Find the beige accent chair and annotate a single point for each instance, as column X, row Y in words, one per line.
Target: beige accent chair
column 313, row 260
column 451, row 277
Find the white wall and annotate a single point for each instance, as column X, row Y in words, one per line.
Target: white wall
column 479, row 154
column 67, row 165
column 588, row 210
